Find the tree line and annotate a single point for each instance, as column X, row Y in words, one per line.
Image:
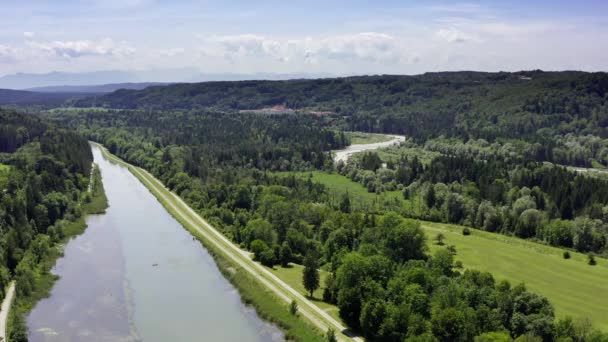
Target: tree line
column 528, row 199
column 467, row 105
column 44, row 174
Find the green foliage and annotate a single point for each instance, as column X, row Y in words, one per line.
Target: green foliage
column 466, row 104
column 591, row 260
column 331, row 336
column 258, row 247
column 44, row 171
column 345, row 203
column 18, row 331
column 293, row 307
column 406, row 241
column 310, row 275
column 493, row 337
column 486, row 172
column 439, row 238
column 566, row 255
column 267, row 257
column 285, row 255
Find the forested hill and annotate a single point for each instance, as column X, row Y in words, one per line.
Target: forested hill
column 9, row 97
column 465, row 104
column 69, row 148
column 44, row 175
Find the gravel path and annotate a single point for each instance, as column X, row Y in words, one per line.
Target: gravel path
column 6, row 307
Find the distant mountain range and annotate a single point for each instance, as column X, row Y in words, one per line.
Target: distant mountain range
column 10, row 97
column 111, row 80
column 98, row 89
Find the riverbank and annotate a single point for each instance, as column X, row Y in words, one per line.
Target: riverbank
column 95, row 202
column 258, row 287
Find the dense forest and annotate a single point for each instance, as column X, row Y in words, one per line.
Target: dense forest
column 44, row 174
column 468, row 105
column 210, row 144
column 384, row 280
column 9, row 97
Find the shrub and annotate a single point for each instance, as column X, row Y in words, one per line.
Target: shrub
column 293, row 307
column 458, row 264
column 331, row 336
column 452, row 249
column 258, row 247
column 566, row 255
column 466, row 231
column 267, row 258
column 439, row 239
column 591, row 260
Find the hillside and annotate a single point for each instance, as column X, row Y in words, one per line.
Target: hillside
column 465, row 104
column 97, row 89
column 22, row 97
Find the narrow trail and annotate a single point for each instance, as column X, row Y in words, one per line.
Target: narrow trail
column 308, row 309
column 6, row 307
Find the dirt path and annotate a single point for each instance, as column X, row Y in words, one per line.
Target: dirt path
column 343, row 155
column 313, row 313
column 6, row 307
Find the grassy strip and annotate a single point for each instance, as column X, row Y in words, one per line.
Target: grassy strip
column 358, row 138
column 267, row 304
column 359, row 196
column 44, row 279
column 292, row 276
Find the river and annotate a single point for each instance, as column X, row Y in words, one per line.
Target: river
column 343, row 155
column 136, row 274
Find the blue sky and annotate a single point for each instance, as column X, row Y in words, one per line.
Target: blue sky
column 289, row 36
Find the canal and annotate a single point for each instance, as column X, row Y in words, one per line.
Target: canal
column 136, row 274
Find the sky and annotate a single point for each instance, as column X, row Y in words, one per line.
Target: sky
column 292, row 36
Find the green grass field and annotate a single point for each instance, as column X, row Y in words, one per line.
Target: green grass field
column 293, row 277
column 359, row 196
column 394, row 153
column 366, row 138
column 575, row 288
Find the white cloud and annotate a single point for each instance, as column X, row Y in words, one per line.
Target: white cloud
column 8, row 54
column 172, row 52
column 366, row 46
column 28, row 34
column 452, row 35
column 80, row 48
column 235, row 47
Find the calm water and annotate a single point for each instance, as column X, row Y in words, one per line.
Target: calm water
column 137, row 275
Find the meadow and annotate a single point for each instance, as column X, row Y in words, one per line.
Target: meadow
column 575, row 288
column 357, row 138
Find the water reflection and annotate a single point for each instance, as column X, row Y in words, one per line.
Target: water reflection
column 136, row 274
